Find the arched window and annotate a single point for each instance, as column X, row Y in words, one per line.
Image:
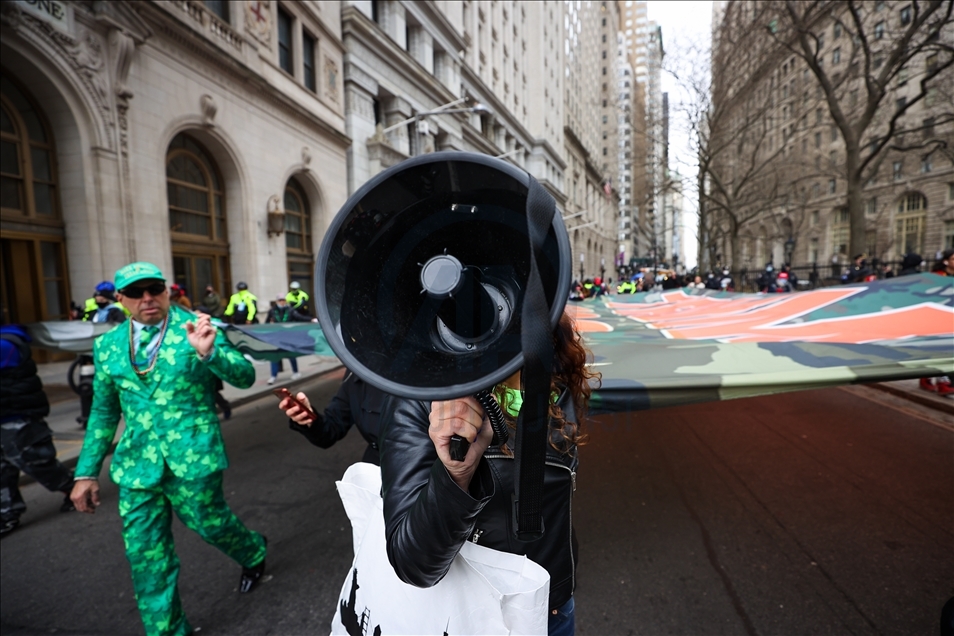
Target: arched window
column 200, row 248
column 33, row 270
column 910, row 222
column 298, row 239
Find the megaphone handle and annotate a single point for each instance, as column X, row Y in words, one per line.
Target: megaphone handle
column 459, row 446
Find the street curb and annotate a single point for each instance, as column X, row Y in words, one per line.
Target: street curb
column 923, row 400
column 70, row 462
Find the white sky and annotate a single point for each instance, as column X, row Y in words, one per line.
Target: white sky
column 682, row 21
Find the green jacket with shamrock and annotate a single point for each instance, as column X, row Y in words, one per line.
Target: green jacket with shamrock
column 170, row 411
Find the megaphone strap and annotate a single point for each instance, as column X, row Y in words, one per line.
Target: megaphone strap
column 537, row 345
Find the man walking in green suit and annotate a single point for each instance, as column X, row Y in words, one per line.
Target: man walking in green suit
column 158, row 370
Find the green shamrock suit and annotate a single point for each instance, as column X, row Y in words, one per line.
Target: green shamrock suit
column 170, row 458
column 170, row 412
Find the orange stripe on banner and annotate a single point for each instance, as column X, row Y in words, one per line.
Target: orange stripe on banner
column 579, row 311
column 592, row 326
column 920, row 320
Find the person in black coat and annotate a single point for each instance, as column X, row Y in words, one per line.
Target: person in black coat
column 357, row 403
column 25, row 438
column 433, row 504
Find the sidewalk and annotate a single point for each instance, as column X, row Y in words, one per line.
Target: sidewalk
column 65, row 405
column 909, row 390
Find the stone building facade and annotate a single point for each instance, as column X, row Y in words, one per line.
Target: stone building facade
column 427, row 76
column 208, row 138
column 801, row 215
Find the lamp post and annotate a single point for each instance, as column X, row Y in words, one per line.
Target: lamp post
column 582, row 259
column 602, row 268
column 442, row 110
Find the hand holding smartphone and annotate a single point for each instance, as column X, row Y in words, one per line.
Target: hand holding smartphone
column 282, row 393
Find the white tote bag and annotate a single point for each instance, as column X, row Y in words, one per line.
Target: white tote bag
column 485, row 591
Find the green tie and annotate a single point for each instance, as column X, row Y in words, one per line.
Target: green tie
column 145, row 337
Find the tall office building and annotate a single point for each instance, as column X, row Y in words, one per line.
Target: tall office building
column 591, row 210
column 642, row 41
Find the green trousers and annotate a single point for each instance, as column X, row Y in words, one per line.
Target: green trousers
column 147, row 531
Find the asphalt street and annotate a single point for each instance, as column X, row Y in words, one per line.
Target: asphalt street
column 821, row 512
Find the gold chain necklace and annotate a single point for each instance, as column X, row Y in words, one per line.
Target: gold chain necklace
column 155, row 354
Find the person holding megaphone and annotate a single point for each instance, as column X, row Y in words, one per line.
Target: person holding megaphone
column 433, row 504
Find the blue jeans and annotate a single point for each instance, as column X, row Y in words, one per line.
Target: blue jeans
column 562, row 623
column 277, row 366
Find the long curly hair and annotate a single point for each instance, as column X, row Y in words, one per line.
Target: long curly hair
column 569, row 373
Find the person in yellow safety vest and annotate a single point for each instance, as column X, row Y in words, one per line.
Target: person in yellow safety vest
column 242, row 306
column 103, row 307
column 298, row 298
column 626, row 287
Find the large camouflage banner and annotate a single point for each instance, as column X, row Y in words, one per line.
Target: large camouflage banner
column 684, row 346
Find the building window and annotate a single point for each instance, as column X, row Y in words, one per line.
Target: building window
column 871, row 207
column 840, row 231
column 906, row 16
column 879, row 30
column 897, row 169
column 285, row 41
column 836, row 56
column 948, row 235
column 930, row 62
column 219, row 8
column 33, row 268
column 910, row 223
column 832, row 159
column 818, row 140
column 927, row 127
column 834, row 133
column 308, row 61
column 926, row 165
column 837, row 30
column 197, row 222
column 818, row 116
column 815, row 218
column 901, row 103
column 816, row 190
column 298, row 235
column 813, row 251
column 604, row 70
column 832, row 186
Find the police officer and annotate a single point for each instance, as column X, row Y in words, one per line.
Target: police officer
column 626, row 287
column 242, row 306
column 297, row 298
column 102, row 307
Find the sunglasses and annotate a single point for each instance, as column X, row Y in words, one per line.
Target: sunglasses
column 136, row 293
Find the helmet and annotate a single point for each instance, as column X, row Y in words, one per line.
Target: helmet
column 241, row 285
column 295, row 285
column 105, row 287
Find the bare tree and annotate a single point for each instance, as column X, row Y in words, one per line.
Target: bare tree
column 732, row 136
column 881, row 50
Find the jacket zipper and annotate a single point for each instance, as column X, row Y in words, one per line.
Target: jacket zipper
column 572, row 490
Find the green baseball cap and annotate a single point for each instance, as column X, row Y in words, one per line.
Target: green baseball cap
column 135, row 272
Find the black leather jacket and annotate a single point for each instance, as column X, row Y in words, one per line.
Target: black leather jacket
column 356, row 403
column 428, row 516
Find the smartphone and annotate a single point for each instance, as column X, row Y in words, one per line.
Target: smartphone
column 282, row 393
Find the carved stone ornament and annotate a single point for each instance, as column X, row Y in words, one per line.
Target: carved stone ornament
column 306, row 156
column 123, row 47
column 258, row 20
column 208, row 107
column 331, row 79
